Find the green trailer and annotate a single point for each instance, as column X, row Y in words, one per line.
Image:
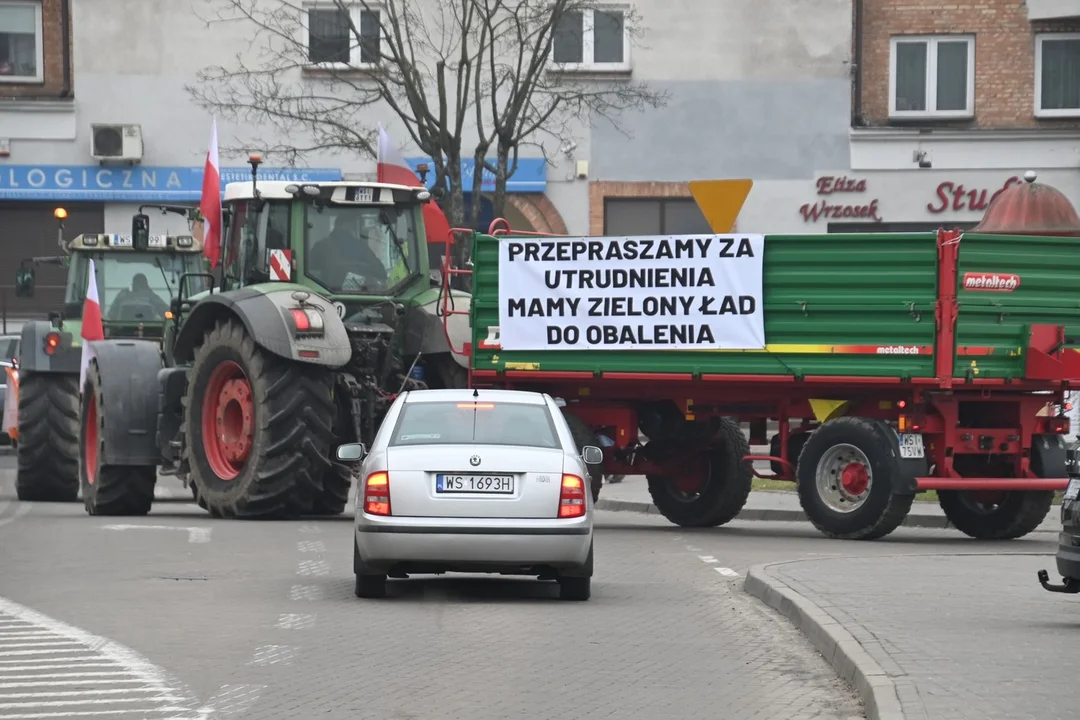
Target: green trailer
column 914, row 362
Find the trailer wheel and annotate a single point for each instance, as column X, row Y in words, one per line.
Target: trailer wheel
column 714, row 486
column 583, row 435
column 845, row 481
column 995, row 515
column 48, row 447
column 257, row 428
column 108, row 489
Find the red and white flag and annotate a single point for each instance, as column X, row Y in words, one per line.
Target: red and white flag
column 210, row 204
column 92, row 329
column 392, row 168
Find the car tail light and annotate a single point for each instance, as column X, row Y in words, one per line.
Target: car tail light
column 52, row 342
column 572, row 497
column 307, row 322
column 377, row 494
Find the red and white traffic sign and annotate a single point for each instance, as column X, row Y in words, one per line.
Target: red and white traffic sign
column 281, row 265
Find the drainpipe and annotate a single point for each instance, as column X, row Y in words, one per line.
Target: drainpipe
column 65, row 30
column 856, row 84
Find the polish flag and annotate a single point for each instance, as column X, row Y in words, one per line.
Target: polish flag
column 210, row 204
column 92, row 329
column 393, row 169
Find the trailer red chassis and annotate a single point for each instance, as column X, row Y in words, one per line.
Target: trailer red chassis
column 984, row 440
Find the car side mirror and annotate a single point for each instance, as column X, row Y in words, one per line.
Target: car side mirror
column 24, row 282
column 140, row 231
column 350, row 452
column 592, row 455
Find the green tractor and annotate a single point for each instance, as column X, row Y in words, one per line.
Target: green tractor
column 51, row 351
column 326, row 310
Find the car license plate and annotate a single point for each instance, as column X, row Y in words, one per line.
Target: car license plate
column 1073, row 491
column 361, row 195
column 911, row 446
column 481, row 484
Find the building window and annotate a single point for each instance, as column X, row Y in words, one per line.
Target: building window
column 932, row 77
column 592, row 40
column 21, row 56
column 331, row 41
column 1057, row 75
column 654, row 216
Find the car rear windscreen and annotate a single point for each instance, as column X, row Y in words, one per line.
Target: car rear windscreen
column 475, row 422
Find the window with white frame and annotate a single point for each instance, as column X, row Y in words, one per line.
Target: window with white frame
column 1057, row 75
column 331, row 41
column 592, row 40
column 21, row 55
column 932, row 76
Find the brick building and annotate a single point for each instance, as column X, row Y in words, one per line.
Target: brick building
column 952, row 101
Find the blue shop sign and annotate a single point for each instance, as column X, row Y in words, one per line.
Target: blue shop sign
column 529, row 177
column 148, row 184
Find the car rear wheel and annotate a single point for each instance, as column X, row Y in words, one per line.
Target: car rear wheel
column 370, row 586
column 575, row 588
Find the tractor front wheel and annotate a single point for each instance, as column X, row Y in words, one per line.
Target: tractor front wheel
column 257, row 428
column 48, row 447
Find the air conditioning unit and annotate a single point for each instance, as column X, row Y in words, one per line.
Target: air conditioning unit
column 122, row 143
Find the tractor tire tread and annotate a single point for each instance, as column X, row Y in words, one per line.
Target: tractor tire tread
column 48, row 448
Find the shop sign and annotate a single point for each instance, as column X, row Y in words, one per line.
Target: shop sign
column 133, row 184
column 530, row 175
column 837, row 202
column 958, row 197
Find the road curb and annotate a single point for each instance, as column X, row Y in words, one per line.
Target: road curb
column 839, row 647
column 916, row 521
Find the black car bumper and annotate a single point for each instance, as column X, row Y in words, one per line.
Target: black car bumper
column 1068, row 554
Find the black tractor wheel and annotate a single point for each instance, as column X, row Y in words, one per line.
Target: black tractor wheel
column 583, row 435
column 258, row 428
column 720, row 478
column 796, row 442
column 845, row 480
column 108, row 489
column 48, row 447
column 996, row 515
column 448, row 373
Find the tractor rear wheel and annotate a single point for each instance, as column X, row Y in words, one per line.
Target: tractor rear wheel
column 108, row 489
column 709, row 487
column 48, row 447
column 257, row 428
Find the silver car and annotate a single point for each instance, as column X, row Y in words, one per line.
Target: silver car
column 485, row 481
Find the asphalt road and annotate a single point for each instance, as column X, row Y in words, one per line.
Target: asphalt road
column 226, row 619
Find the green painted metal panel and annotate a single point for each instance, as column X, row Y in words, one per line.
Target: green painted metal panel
column 822, row 292
column 992, row 326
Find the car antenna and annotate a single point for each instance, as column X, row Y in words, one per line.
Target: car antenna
column 475, row 394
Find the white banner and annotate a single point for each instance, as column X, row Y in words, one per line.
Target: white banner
column 676, row 292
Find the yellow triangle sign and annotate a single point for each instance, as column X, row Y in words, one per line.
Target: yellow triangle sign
column 721, row 201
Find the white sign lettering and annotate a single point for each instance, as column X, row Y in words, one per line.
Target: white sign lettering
column 680, row 292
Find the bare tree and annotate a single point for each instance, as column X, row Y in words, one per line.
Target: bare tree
column 453, row 71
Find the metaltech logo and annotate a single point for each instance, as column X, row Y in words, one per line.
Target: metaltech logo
column 993, row 282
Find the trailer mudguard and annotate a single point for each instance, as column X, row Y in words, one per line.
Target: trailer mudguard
column 261, row 309
column 424, row 332
column 67, row 357
column 910, row 469
column 1049, row 454
column 129, row 393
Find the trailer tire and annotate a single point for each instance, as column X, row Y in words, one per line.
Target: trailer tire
column 48, row 447
column 1018, row 513
column 583, row 435
column 108, row 489
column 879, row 510
column 725, row 490
column 271, row 461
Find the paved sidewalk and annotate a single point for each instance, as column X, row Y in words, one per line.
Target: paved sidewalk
column 947, row 637
column 632, row 495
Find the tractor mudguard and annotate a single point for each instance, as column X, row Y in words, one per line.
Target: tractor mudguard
column 424, row 326
column 262, row 311
column 905, row 482
column 129, row 392
column 67, row 357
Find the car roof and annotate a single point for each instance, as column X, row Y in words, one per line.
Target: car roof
column 466, row 395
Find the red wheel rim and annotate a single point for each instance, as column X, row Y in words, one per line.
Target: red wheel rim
column 90, row 449
column 228, row 420
column 855, row 478
column 689, row 473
